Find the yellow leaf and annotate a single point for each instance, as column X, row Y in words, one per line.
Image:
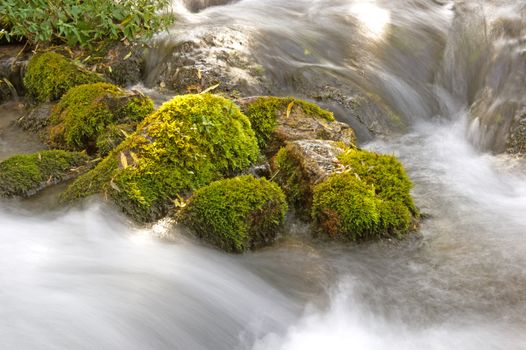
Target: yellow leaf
column 127, row 56
column 289, row 108
column 124, row 161
column 134, row 157
column 210, row 88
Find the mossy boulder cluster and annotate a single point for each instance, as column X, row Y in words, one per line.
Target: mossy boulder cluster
column 349, row 193
column 86, row 117
column 50, row 75
column 190, row 156
column 187, row 143
column 26, row 174
column 237, row 214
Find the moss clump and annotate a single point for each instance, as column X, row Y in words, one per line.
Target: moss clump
column 49, row 75
column 384, row 172
column 345, row 206
column 24, row 175
column 86, row 111
column 370, row 199
column 264, row 112
column 189, row 142
column 237, row 214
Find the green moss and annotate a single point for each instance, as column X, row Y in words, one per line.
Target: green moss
column 24, row 175
column 86, row 111
column 237, row 214
column 385, row 172
column 370, row 199
column 292, row 180
column 344, row 206
column 49, row 75
column 189, row 142
column 112, row 136
column 264, row 111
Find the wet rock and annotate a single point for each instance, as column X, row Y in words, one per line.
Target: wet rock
column 13, row 62
column 124, row 64
column 197, row 61
column 516, row 142
column 36, row 118
column 277, row 120
column 198, row 5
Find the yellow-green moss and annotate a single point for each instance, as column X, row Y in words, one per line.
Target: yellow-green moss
column 86, row 111
column 189, row 142
column 293, row 181
column 24, row 175
column 112, row 136
column 370, row 199
column 264, row 111
column 346, row 207
column 384, row 172
column 237, row 214
column 50, row 75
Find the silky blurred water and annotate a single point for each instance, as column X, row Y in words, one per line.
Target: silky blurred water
column 86, row 278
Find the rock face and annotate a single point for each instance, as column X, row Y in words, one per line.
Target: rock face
column 25, row 175
column 237, row 214
column 279, row 120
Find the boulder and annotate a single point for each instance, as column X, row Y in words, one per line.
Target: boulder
column 349, row 193
column 237, row 214
column 187, row 143
column 85, row 112
column 49, row 75
column 25, row 175
column 277, row 120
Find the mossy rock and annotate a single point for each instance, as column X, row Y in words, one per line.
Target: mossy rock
column 369, row 199
column 86, row 111
column 187, row 143
column 349, row 193
column 237, row 214
column 50, row 75
column 25, row 175
column 112, row 136
column 301, row 165
column 277, row 120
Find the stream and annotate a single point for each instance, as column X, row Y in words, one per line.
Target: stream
column 84, row 277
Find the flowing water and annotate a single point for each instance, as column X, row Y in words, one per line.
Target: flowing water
column 86, row 278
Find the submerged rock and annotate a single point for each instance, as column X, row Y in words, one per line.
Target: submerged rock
column 50, row 75
column 85, row 112
column 189, row 142
column 277, row 120
column 37, row 118
column 237, row 214
column 24, row 175
column 349, row 193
